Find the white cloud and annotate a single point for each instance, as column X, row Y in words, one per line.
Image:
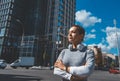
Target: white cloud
column 111, row 36
column 93, row 30
column 89, row 36
column 86, row 18
column 103, row 30
column 104, row 47
column 103, row 40
column 111, row 39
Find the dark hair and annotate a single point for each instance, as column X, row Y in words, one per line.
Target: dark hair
column 80, row 29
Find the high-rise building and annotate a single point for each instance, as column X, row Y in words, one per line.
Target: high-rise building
column 35, row 28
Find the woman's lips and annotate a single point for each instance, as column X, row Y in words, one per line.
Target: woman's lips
column 70, row 38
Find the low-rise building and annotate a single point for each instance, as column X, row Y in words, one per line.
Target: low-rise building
column 98, row 55
column 106, row 60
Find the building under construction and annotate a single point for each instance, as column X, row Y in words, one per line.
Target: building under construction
column 34, row 28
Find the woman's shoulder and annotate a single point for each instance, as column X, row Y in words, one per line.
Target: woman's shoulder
column 89, row 49
column 64, row 50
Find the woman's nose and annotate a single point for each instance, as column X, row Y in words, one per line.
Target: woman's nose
column 69, row 34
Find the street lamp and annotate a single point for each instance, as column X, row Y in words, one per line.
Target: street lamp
column 117, row 42
column 60, row 32
column 58, row 41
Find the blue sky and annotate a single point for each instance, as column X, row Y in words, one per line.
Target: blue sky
column 98, row 18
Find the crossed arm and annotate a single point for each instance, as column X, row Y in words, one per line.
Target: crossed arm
column 65, row 71
column 75, row 72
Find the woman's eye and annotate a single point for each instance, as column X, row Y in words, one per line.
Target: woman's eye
column 73, row 32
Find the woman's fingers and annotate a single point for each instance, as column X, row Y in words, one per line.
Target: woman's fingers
column 57, row 62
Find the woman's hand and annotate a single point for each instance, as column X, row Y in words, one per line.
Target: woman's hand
column 59, row 64
column 77, row 78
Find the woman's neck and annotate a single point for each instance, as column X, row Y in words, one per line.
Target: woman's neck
column 75, row 45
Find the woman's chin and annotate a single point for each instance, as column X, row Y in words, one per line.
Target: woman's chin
column 70, row 41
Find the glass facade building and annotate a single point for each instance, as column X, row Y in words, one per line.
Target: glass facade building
column 35, row 28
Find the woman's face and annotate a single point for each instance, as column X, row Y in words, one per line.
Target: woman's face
column 73, row 35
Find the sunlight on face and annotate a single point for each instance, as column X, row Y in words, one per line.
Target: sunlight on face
column 74, row 36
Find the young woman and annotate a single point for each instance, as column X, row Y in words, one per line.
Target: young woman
column 77, row 62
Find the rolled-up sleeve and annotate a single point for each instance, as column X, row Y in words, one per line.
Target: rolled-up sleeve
column 87, row 69
column 60, row 72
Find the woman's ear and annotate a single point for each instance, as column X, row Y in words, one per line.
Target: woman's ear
column 81, row 36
